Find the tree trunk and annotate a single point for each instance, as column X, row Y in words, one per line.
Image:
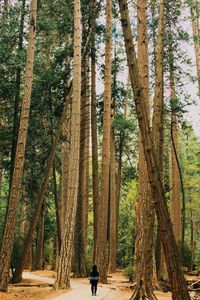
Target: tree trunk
column 65, row 149
column 80, row 228
column 178, row 284
column 55, row 253
column 40, row 243
column 11, row 218
column 58, row 221
column 194, row 9
column 1, row 180
column 95, row 167
column 145, row 207
column 22, row 216
column 175, row 202
column 18, row 272
column 113, row 209
column 158, row 113
column 102, row 247
column 121, row 150
column 64, row 265
column 17, row 95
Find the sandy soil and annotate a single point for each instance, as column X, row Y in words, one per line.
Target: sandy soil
column 38, row 286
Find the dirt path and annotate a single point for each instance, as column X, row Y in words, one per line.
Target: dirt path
column 31, row 276
column 38, row 286
column 80, row 289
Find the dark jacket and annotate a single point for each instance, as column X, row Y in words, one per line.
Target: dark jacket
column 94, row 276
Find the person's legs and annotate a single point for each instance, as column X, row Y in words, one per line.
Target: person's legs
column 95, row 288
column 92, row 288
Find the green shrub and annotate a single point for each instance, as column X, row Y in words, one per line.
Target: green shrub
column 186, row 256
column 129, row 272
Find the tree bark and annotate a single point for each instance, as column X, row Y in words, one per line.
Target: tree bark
column 178, row 284
column 17, row 95
column 40, row 243
column 175, row 202
column 113, row 208
column 58, row 221
column 102, row 247
column 1, row 180
column 95, row 167
column 80, row 228
column 11, row 218
column 194, row 10
column 64, row 265
column 34, row 220
column 65, row 149
column 145, row 208
column 158, row 112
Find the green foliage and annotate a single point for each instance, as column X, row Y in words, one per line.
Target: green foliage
column 125, row 245
column 129, row 272
column 186, row 256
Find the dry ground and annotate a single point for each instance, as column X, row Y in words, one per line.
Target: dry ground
column 32, row 289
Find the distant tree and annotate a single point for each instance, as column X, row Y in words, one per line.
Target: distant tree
column 102, row 244
column 195, row 17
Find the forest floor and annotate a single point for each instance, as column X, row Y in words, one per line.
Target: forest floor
column 38, row 286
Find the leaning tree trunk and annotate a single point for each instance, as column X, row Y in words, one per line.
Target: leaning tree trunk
column 178, row 284
column 17, row 95
column 34, row 220
column 102, row 245
column 145, row 207
column 11, row 218
column 64, row 265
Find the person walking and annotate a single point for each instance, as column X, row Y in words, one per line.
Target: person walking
column 94, row 278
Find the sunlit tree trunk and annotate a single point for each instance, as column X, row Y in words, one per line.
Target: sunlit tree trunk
column 102, row 247
column 178, row 284
column 112, row 208
column 64, row 265
column 87, row 154
column 145, row 207
column 65, row 145
column 175, row 200
column 11, row 218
